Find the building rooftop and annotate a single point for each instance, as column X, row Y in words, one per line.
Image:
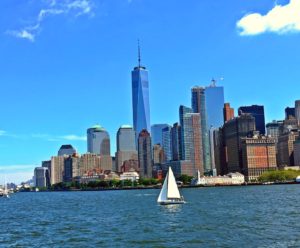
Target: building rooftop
column 126, row 126
column 98, row 128
column 66, row 147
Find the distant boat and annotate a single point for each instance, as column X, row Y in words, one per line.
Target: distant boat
column 298, row 179
column 5, row 192
column 169, row 193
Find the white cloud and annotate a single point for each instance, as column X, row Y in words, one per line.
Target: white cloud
column 53, row 8
column 73, row 137
column 281, row 19
column 23, row 34
column 2, row 132
column 16, row 173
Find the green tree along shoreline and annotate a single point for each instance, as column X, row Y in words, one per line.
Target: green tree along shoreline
column 101, row 184
column 279, row 176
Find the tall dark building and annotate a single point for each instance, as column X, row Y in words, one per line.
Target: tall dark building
column 176, row 141
column 258, row 113
column 183, row 110
column 233, row 131
column 145, row 154
column 289, row 112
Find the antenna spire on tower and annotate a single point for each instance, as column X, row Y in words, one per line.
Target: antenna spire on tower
column 139, row 53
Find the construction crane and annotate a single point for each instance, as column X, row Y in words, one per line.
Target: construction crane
column 214, row 81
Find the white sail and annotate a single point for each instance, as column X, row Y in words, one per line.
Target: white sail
column 163, row 193
column 173, row 191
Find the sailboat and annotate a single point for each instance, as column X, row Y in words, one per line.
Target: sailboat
column 169, row 193
column 5, row 192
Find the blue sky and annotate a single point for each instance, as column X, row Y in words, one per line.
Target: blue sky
column 65, row 65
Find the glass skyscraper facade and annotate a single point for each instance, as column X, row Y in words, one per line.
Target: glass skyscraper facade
column 140, row 99
column 214, row 97
column 167, row 142
column 199, row 106
column 185, row 145
column 156, row 133
column 98, row 141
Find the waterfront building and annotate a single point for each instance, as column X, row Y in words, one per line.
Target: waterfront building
column 233, row 130
column 285, row 148
column 98, row 140
column 140, row 98
column 156, row 133
column 289, row 112
column 176, row 142
column 199, row 106
column 126, row 146
column 131, row 164
column 47, row 164
column 158, row 154
column 229, row 179
column 41, row 177
column 182, row 167
column 258, row 113
column 66, row 150
column 167, row 143
column 185, row 144
column 193, row 141
column 297, row 152
column 131, row 175
column 228, row 112
column 71, row 167
column 274, row 129
column 145, row 154
column 57, row 169
column 297, row 111
column 89, row 162
column 259, row 156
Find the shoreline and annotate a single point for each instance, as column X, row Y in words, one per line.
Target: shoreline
column 159, row 187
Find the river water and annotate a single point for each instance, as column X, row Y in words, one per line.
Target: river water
column 253, row 216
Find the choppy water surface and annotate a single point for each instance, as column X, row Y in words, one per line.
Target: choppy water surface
column 258, row 216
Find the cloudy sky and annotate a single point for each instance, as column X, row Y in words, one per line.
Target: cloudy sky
column 65, row 65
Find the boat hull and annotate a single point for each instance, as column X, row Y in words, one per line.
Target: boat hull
column 171, row 202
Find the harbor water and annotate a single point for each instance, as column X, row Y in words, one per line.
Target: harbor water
column 248, row 216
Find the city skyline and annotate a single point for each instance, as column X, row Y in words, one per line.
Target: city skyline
column 47, row 104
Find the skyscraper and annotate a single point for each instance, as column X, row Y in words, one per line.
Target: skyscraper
column 66, row 150
column 233, row 131
column 98, row 141
column 140, row 98
column 289, row 112
column 176, row 142
column 126, row 145
column 41, row 176
column 156, row 133
column 167, row 142
column 185, row 146
column 228, row 112
column 194, row 144
column 199, row 106
column 258, row 113
column 145, row 154
column 214, row 101
column 297, row 110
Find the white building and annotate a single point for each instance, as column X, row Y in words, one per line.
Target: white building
column 229, row 179
column 131, row 175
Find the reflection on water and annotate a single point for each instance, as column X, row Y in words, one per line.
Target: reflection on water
column 172, row 208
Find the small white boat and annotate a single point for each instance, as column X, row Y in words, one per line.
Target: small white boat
column 169, row 193
column 298, row 179
column 5, row 192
